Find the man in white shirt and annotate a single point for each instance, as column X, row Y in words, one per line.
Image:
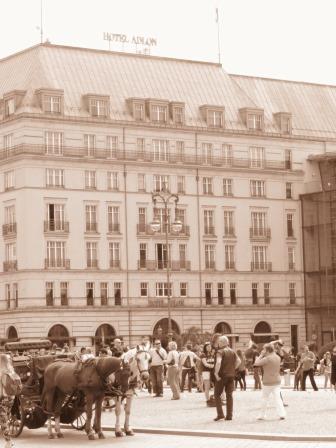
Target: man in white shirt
column 158, row 355
column 187, row 364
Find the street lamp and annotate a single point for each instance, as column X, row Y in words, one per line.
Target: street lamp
column 166, row 198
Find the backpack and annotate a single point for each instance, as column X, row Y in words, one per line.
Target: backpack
column 187, row 363
column 12, row 384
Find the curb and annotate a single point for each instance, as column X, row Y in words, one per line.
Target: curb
column 232, row 435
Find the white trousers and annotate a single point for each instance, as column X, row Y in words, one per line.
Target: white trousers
column 267, row 391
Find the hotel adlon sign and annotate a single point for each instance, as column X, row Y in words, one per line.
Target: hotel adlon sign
column 137, row 40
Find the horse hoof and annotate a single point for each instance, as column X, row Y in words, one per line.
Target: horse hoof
column 51, row 436
column 129, row 432
column 91, row 436
column 119, row 434
column 101, row 435
column 60, row 435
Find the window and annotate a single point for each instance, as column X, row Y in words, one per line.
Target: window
column 112, row 180
column 91, row 218
column 141, row 182
column 103, row 293
column 54, row 177
column 55, row 254
column 10, row 224
column 229, row 256
column 98, row 107
column 183, row 256
column 228, row 223
column 112, row 146
column 55, row 218
column 113, row 214
column 8, row 295
column 64, row 293
column 114, row 249
column 161, row 255
column 288, row 159
column 159, row 113
column 180, row 215
column 90, row 144
column 15, row 295
column 256, row 157
column 258, row 221
column 259, row 258
column 181, row 184
column 207, row 153
column 89, row 293
column 10, row 253
column 180, row 151
column 160, row 182
column 257, row 188
column 90, row 180
column 227, row 187
column 267, row 288
column 233, row 293
column 209, row 250
column 160, row 215
column 160, row 150
column 143, row 255
column 208, row 293
column 209, row 226
column 161, row 289
column 291, row 258
column 292, row 293
column 254, row 121
column 254, row 293
column 284, row 122
column 9, row 180
column 52, row 104
column 215, row 118
column 290, row 228
column 142, row 219
column 207, row 185
column 8, row 141
column 220, row 293
column 141, row 147
column 49, row 293
column 9, row 107
column 178, row 114
column 183, row 289
column 289, row 190
column 139, row 111
column 91, row 254
column 227, row 155
column 144, row 289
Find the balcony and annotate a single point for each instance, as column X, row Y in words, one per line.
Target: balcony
column 230, row 265
column 260, row 233
column 180, row 265
column 114, row 264
column 158, row 302
column 229, row 232
column 145, row 229
column 114, row 227
column 56, row 226
column 9, row 266
column 56, row 263
column 9, row 229
column 150, row 265
column 209, row 231
column 91, row 227
column 261, row 266
column 291, row 266
column 92, row 263
column 210, row 265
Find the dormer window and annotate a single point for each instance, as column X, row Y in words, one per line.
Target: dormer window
column 284, row 122
column 213, row 115
column 177, row 112
column 253, row 118
column 50, row 100
column 97, row 105
column 159, row 113
column 139, row 111
column 11, row 101
column 9, row 107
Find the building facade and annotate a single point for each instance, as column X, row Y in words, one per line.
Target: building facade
column 87, row 137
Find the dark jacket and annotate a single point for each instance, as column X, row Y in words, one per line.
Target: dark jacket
column 229, row 363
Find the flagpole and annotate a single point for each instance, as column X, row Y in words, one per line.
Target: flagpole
column 218, row 36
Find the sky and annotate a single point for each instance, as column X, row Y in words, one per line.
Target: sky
column 284, row 39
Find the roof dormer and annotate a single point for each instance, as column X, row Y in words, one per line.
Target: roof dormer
column 177, row 112
column 51, row 101
column 253, row 118
column 11, row 101
column 284, row 122
column 137, row 108
column 213, row 115
column 157, row 110
column 97, row 105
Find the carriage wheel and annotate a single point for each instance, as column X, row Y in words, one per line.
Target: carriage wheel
column 79, row 422
column 17, row 419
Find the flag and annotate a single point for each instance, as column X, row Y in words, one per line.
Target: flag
column 216, row 15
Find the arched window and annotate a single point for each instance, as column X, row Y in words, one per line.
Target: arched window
column 12, row 333
column 262, row 333
column 58, row 334
column 104, row 335
column 223, row 328
column 161, row 328
column 262, row 327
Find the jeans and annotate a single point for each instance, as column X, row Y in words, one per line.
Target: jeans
column 156, row 375
column 267, row 391
column 186, row 372
column 309, row 373
column 227, row 384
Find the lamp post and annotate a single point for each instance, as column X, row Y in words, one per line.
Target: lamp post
column 166, row 198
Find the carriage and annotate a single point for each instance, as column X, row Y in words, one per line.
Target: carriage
column 27, row 410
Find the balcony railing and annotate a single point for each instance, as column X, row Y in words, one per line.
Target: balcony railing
column 181, row 265
column 147, row 264
column 229, row 232
column 148, row 156
column 114, row 227
column 261, row 266
column 210, row 265
column 115, row 264
column 91, row 227
column 230, row 265
column 56, row 263
column 92, row 263
column 9, row 229
column 291, row 266
column 209, row 231
column 175, row 265
column 260, row 233
column 56, row 226
column 10, row 265
column 145, row 229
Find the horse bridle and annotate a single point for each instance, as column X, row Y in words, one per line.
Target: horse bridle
column 138, row 361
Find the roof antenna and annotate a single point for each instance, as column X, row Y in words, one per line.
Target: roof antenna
column 218, row 36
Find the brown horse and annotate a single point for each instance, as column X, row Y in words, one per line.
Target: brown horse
column 61, row 380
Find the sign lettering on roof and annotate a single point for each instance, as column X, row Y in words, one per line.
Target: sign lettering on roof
column 137, row 40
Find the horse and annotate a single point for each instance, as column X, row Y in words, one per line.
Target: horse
column 62, row 379
column 138, row 359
